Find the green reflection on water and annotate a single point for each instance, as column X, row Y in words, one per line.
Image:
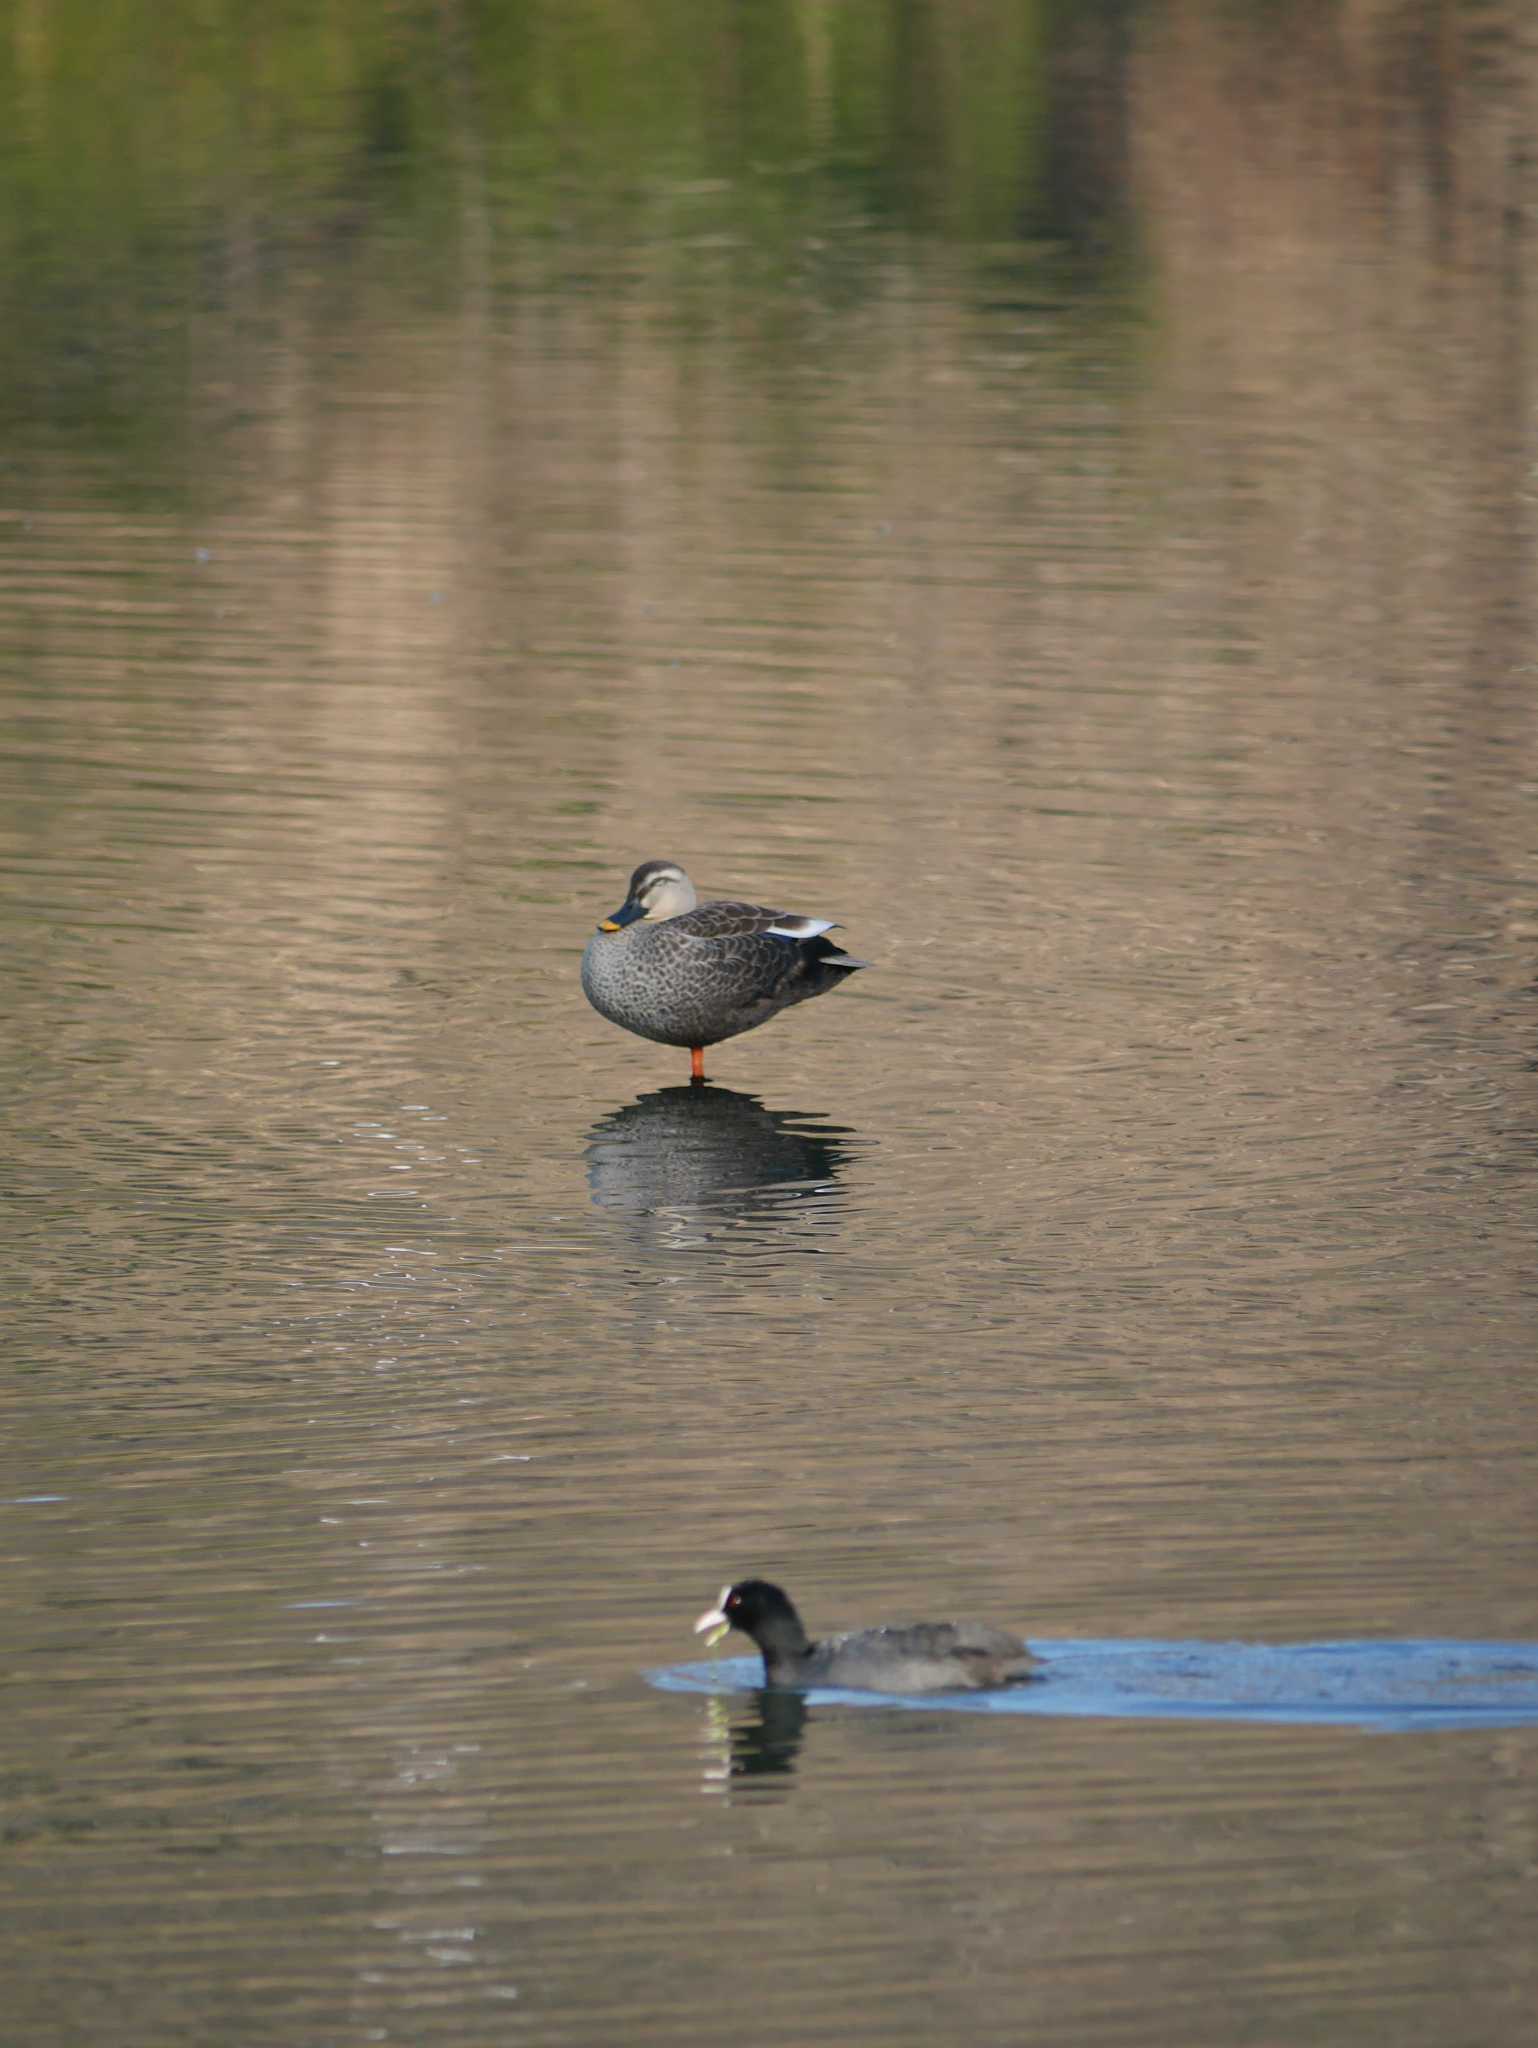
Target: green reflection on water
column 162, row 167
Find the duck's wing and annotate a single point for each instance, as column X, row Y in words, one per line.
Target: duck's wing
column 728, row 920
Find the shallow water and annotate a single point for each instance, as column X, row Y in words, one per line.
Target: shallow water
column 1123, row 627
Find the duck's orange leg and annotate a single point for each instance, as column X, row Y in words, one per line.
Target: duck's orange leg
column 696, row 1063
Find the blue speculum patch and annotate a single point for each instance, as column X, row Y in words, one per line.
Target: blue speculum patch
column 1392, row 1687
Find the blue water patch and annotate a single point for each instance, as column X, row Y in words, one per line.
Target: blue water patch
column 1387, row 1686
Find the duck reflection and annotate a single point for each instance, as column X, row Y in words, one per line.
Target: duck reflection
column 704, row 1158
column 760, row 1739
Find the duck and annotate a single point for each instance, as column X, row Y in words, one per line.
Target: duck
column 926, row 1656
column 681, row 972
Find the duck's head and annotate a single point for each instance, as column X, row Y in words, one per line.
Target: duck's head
column 658, row 889
column 760, row 1610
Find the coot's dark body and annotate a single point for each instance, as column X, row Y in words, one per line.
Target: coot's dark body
column 926, row 1656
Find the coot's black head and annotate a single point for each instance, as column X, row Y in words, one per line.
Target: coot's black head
column 761, row 1611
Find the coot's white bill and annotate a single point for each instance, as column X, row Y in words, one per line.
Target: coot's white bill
column 713, row 1624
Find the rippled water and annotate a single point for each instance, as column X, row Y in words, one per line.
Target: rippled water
column 1135, row 657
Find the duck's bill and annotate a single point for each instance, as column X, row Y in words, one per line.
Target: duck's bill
column 712, row 1626
column 626, row 914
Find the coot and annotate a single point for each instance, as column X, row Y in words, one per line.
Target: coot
column 928, row 1656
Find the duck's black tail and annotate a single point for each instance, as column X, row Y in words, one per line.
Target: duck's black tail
column 823, row 965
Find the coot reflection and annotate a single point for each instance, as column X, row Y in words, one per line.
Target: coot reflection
column 765, row 1742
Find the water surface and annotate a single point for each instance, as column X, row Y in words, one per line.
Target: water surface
column 1069, row 519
